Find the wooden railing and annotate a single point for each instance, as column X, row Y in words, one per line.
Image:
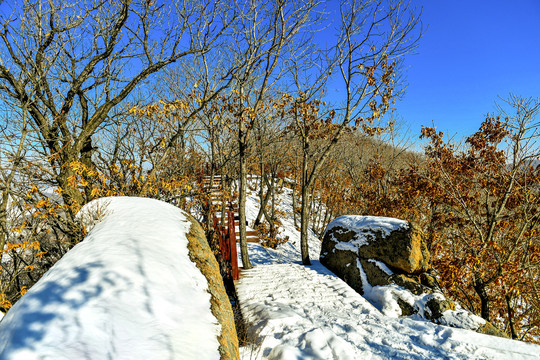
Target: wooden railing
column 227, row 245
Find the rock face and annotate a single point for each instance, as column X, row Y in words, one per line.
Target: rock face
column 387, row 258
column 396, row 243
column 201, row 254
column 403, row 249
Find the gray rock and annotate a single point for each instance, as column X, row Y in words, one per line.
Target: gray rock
column 437, row 306
column 402, row 248
column 392, row 252
column 344, row 264
column 411, row 284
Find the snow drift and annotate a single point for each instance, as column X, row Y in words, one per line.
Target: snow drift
column 128, row 291
column 307, row 312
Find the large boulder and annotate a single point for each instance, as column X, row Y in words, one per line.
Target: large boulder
column 387, row 261
column 142, row 285
column 397, row 243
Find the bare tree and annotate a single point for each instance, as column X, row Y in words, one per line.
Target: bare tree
column 365, row 64
column 73, row 63
column 262, row 40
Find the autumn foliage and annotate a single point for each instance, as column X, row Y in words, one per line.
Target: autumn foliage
column 479, row 207
column 484, row 223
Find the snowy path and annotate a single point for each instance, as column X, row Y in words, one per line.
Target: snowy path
column 309, row 313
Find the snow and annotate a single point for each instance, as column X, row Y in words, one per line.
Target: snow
column 304, row 312
column 384, row 298
column 365, row 228
column 128, row 291
column 307, row 312
column 360, row 223
column 381, row 266
column 461, row 318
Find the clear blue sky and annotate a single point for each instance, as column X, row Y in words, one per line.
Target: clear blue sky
column 472, row 52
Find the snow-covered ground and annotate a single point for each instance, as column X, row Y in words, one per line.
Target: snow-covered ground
column 128, row 291
column 304, row 312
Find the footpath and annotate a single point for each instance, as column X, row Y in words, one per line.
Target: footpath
column 307, row 312
column 304, row 312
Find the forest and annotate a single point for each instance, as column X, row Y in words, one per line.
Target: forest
column 145, row 98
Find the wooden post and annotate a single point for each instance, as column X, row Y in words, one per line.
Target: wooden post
column 224, row 257
column 232, row 247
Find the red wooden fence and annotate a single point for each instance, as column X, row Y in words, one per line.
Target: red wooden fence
column 227, row 245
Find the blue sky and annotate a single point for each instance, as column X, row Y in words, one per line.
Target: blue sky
column 473, row 51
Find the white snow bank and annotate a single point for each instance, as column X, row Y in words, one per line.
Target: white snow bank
column 128, row 291
column 365, row 227
column 309, row 313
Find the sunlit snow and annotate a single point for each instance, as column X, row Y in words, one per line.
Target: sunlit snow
column 128, row 291
column 307, row 312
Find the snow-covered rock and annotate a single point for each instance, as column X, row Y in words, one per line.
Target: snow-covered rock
column 397, row 243
column 375, row 246
column 385, row 260
column 142, row 285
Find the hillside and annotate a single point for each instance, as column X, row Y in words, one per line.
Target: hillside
column 309, row 313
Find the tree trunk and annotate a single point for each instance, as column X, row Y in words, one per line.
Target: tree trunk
column 480, row 289
column 327, row 217
column 182, row 150
column 70, row 194
column 273, row 230
column 225, row 198
column 304, row 216
column 263, row 199
column 295, row 218
column 74, row 200
column 208, row 209
column 304, row 224
column 86, row 159
column 242, row 200
column 510, row 312
column 264, row 202
column 3, row 222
